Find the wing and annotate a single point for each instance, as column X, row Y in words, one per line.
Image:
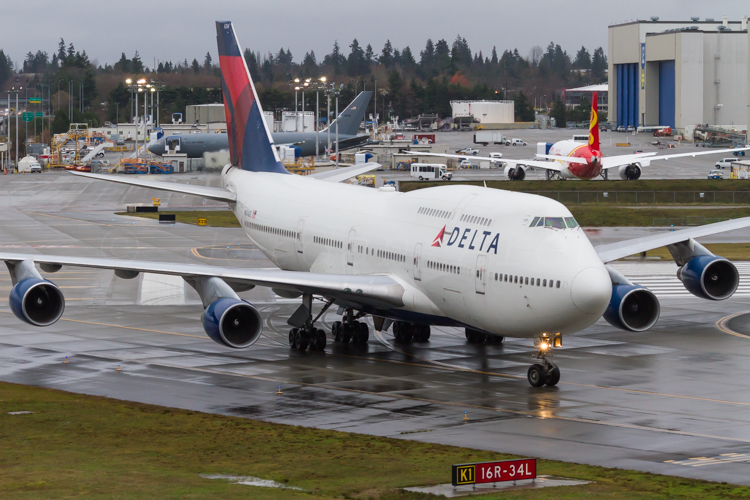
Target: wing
column 614, row 251
column 618, row 161
column 342, row 174
column 546, row 165
column 376, row 290
column 213, row 193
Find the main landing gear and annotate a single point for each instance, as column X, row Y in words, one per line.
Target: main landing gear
column 545, row 372
column 304, row 335
column 477, row 337
column 351, row 330
column 405, row 332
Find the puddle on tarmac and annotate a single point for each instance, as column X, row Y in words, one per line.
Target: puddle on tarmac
column 250, row 481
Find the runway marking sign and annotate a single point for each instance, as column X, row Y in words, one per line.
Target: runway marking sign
column 494, row 472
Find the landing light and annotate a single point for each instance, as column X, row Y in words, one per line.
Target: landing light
column 544, row 346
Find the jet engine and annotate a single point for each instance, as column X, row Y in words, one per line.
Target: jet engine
column 232, row 322
column 37, row 301
column 632, row 307
column 630, row 172
column 515, row 172
column 709, row 277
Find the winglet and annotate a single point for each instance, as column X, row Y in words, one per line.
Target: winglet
column 594, row 124
column 250, row 142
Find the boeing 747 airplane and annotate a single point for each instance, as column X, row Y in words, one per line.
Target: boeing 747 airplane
column 495, row 263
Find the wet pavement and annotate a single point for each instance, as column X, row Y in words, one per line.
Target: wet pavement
column 673, row 400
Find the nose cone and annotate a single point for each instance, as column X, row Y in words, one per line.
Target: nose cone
column 591, row 290
column 157, row 148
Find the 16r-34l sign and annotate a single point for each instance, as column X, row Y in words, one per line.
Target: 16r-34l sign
column 494, row 472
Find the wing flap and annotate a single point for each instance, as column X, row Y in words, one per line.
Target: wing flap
column 377, row 290
column 342, row 174
column 614, row 251
column 213, row 193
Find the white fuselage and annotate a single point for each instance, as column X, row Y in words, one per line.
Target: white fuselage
column 458, row 279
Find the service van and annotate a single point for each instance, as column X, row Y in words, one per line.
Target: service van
column 725, row 162
column 518, row 142
column 425, row 171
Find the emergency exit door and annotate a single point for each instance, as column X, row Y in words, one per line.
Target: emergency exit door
column 417, row 262
column 481, row 273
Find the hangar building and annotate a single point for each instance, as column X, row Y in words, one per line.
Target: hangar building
column 485, row 112
column 679, row 74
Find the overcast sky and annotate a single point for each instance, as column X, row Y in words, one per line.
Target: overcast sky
column 178, row 29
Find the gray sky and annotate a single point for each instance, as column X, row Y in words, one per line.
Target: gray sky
column 179, row 29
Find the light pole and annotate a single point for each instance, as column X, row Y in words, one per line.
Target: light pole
column 375, row 105
column 295, row 84
column 321, row 82
column 304, row 86
column 58, row 91
column 15, row 91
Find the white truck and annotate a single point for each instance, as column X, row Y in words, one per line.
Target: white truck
column 487, row 137
column 30, row 165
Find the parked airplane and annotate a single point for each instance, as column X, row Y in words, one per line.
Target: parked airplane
column 349, row 120
column 573, row 160
column 494, row 262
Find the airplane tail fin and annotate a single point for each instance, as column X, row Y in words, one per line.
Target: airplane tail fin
column 350, row 119
column 250, row 142
column 594, row 124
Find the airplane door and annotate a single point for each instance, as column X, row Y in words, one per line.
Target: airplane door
column 300, row 227
column 350, row 247
column 418, row 262
column 173, row 144
column 481, row 273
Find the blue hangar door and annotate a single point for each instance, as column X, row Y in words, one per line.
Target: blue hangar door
column 666, row 93
column 627, row 94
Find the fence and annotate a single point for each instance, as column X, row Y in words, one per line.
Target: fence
column 648, row 197
column 686, row 221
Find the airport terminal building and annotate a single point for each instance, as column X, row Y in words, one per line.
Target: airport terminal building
column 679, row 74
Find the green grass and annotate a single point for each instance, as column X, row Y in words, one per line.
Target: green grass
column 686, row 185
column 731, row 251
column 214, row 218
column 76, row 446
column 596, row 216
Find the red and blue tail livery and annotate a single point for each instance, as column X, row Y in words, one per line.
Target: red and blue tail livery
column 250, row 143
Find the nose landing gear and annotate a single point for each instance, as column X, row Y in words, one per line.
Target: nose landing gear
column 545, row 372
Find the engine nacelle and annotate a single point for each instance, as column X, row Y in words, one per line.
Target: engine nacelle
column 37, row 301
column 632, row 307
column 515, row 172
column 709, row 277
column 630, row 172
column 232, row 322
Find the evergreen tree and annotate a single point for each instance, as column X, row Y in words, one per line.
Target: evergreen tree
column 494, row 56
column 252, row 63
column 136, row 65
column 427, row 57
column 558, row 113
column 356, row 63
column 386, row 55
column 6, row 67
column 598, row 65
column 196, row 66
column 583, row 59
column 61, row 51
column 523, row 110
column 123, row 64
column 369, row 56
column 407, row 58
column 207, row 63
column 460, row 52
column 443, row 57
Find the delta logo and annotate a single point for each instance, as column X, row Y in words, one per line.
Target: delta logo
column 464, row 238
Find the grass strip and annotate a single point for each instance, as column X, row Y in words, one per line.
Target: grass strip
column 214, row 218
column 77, row 446
column 686, row 185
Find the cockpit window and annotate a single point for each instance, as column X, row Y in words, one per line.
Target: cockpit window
column 554, row 222
column 571, row 222
column 533, row 223
column 541, row 222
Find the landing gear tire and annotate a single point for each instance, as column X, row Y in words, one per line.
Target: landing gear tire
column 301, row 340
column 321, row 340
column 336, row 330
column 496, row 339
column 346, row 337
column 421, row 333
column 553, row 377
column 293, row 338
column 476, row 337
column 537, row 375
column 403, row 332
column 363, row 334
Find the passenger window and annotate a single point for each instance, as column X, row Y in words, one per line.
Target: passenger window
column 558, row 284
column 527, row 281
column 544, row 283
column 515, row 279
column 537, row 282
column 571, row 222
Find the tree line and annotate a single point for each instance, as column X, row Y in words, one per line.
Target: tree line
column 409, row 82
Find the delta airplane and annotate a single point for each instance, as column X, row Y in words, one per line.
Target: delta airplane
column 573, row 160
column 495, row 263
